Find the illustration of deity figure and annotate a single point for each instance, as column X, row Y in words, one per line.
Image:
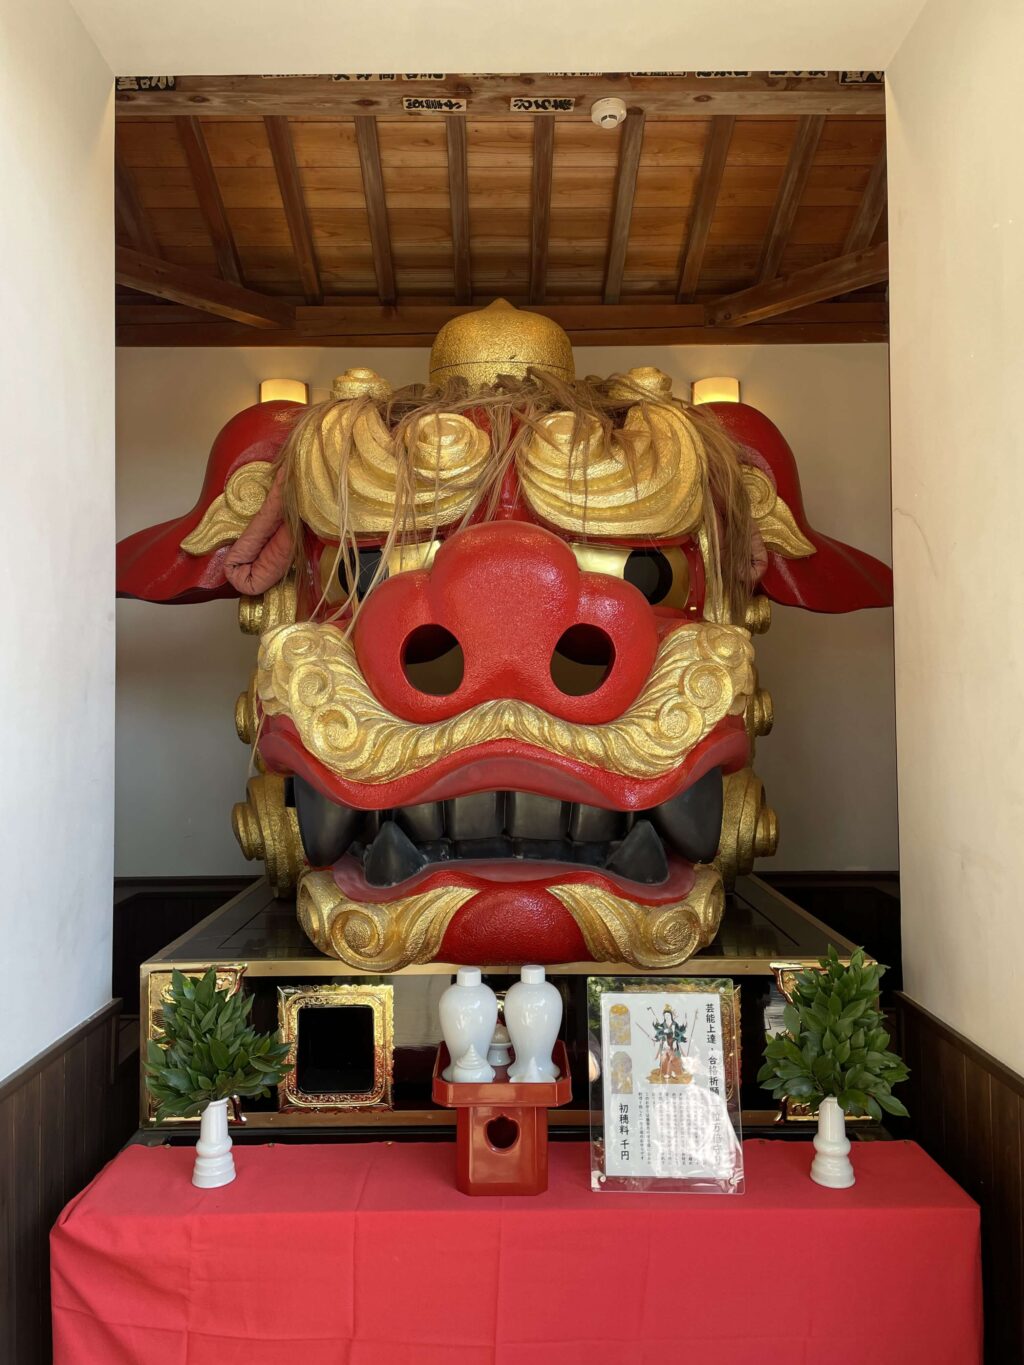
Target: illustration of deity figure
column 618, row 1019
column 622, row 1073
column 669, row 1037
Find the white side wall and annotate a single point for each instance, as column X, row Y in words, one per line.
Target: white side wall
column 57, row 652
column 829, row 766
column 957, row 335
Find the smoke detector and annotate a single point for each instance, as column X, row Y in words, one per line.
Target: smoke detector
column 609, row 112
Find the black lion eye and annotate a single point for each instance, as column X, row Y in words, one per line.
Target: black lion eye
column 362, row 574
column 651, row 572
column 663, row 576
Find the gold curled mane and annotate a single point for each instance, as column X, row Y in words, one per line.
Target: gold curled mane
column 642, row 477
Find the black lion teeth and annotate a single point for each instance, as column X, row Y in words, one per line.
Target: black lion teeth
column 396, row 844
column 392, row 857
column 593, row 825
column 480, row 816
column 424, row 824
column 326, row 827
column 528, row 816
column 641, row 856
column 692, row 821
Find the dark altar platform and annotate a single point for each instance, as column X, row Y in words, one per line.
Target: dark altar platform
column 366, row 1254
column 763, row 937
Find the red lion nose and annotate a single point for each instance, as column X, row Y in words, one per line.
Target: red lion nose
column 505, row 613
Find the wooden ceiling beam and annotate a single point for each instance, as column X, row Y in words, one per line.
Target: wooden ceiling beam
column 458, row 197
column 211, row 205
column 286, row 168
column 540, row 204
column 791, row 191
column 376, row 207
column 855, row 270
column 252, row 97
column 131, row 216
column 360, row 324
column 165, row 280
column 630, row 147
column 716, row 150
column 870, row 208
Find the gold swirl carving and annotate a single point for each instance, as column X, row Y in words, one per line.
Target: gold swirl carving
column 267, row 830
column 772, row 516
column 309, row 673
column 446, row 457
column 275, row 607
column 649, row 483
column 229, row 514
column 619, row 930
column 749, row 825
column 379, row 938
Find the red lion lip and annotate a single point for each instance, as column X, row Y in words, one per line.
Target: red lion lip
column 510, row 764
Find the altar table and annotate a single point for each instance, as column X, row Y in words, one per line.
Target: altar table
column 367, row 1255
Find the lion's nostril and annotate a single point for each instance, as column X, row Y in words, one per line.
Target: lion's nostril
column 432, row 661
column 582, row 660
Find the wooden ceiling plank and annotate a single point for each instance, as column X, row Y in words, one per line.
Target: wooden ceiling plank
column 151, row 275
column 716, row 150
column 286, row 168
column 458, row 197
column 870, row 208
column 540, row 204
column 376, row 207
column 791, row 192
column 204, row 179
column 131, row 215
column 488, row 97
column 818, row 282
column 630, row 148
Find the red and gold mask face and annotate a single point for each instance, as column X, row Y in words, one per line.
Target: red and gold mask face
column 515, row 694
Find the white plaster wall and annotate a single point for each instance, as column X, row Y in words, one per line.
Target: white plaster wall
column 829, row 765
column 242, row 36
column 56, row 552
column 957, row 334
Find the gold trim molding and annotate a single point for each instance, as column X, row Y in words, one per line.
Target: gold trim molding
column 380, row 999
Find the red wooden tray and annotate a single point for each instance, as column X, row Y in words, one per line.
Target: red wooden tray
column 501, row 1127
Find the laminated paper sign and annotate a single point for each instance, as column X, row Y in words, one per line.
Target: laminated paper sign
column 665, row 1101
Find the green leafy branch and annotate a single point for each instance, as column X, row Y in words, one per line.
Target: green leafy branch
column 836, row 1043
column 208, row 1050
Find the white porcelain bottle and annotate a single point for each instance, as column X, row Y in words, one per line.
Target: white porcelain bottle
column 533, row 1015
column 832, row 1166
column 214, row 1165
column 469, row 1011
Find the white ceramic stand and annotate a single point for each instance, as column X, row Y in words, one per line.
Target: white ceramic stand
column 533, row 1014
column 214, row 1163
column 469, row 1012
column 832, row 1166
column 500, row 1051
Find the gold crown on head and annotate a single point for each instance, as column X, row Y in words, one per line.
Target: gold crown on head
column 499, row 340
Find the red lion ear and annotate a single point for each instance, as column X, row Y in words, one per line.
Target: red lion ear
column 152, row 565
column 836, row 577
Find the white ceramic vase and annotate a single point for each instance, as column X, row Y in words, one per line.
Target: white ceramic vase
column 214, row 1163
column 832, row 1166
column 469, row 1012
column 533, row 1014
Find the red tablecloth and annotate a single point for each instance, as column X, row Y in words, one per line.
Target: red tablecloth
column 367, row 1255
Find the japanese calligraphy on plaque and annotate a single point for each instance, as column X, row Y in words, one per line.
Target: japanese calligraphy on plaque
column 664, row 1102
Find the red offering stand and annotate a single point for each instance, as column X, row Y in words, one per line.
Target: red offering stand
column 501, row 1130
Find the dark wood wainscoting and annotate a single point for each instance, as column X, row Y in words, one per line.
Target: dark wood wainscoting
column 967, row 1111
column 61, row 1117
